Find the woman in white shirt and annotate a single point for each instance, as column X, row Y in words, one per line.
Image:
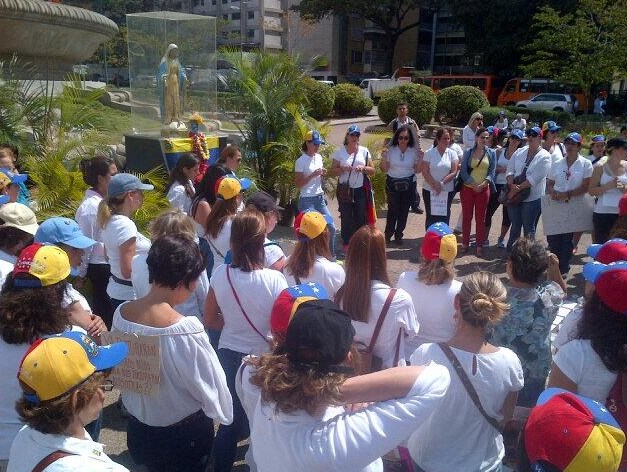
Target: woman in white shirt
column 401, row 162
column 439, row 168
column 530, row 166
column 501, row 122
column 569, row 177
column 218, row 225
column 239, row 303
column 350, row 162
column 311, row 260
column 308, row 173
column 494, row 373
column 173, row 428
column 119, row 234
column 468, row 133
column 97, row 173
column 608, row 184
column 365, row 293
column 18, row 225
column 435, row 281
column 180, row 188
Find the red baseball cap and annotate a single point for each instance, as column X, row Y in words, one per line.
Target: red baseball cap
column 610, row 283
column 439, row 243
column 613, row 250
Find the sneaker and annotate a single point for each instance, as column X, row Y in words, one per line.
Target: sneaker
column 417, row 210
column 501, row 244
column 486, row 243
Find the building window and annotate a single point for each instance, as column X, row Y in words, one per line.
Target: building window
column 235, row 16
column 250, row 33
column 224, row 2
column 356, row 57
column 251, row 15
column 213, row 2
column 225, row 17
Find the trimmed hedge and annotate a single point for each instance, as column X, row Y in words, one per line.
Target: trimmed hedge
column 490, row 114
column 420, row 99
column 458, row 102
column 320, row 98
column 350, row 101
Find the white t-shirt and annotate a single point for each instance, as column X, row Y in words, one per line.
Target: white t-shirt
column 557, row 152
column 583, row 366
column 360, row 158
column 336, row 439
column 537, row 170
column 191, row 377
column 11, row 356
column 257, row 290
column 501, row 177
column 178, row 198
column 324, row 272
column 440, row 167
column 468, row 137
column 600, row 206
column 195, row 303
column 457, row 149
column 118, row 230
column 308, row 165
column 501, row 124
column 519, row 123
column 71, row 295
column 272, row 252
column 31, row 446
column 569, row 328
column 435, row 317
column 221, row 244
column 400, row 316
column 402, row 163
column 569, row 178
column 7, row 262
column 457, row 437
column 85, row 216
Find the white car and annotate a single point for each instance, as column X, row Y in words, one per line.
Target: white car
column 551, row 101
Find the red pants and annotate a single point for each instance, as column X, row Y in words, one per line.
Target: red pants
column 477, row 201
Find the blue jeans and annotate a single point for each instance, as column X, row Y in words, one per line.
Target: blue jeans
column 317, row 203
column 523, row 217
column 225, row 443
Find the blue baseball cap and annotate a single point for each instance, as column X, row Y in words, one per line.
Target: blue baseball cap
column 518, row 134
column 4, row 199
column 354, row 129
column 62, row 230
column 534, row 131
column 493, row 130
column 122, row 183
column 551, row 126
column 314, row 137
column 7, row 177
column 598, row 138
column 574, row 137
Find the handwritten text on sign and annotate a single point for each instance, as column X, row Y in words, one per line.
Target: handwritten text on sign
column 140, row 371
column 559, row 217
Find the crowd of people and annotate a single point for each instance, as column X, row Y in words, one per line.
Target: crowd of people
column 319, row 357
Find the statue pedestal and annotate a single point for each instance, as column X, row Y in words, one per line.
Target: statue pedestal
column 147, row 151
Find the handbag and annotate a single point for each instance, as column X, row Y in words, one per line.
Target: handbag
column 365, row 361
column 517, row 199
column 344, row 192
column 461, row 373
column 401, row 185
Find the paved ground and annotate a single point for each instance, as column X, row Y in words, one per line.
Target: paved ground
column 493, row 260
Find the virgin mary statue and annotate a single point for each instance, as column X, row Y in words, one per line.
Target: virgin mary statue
column 171, row 80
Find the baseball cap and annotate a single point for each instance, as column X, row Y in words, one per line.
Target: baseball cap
column 314, row 137
column 622, row 205
column 598, row 138
column 18, row 216
column 289, row 300
column 572, row 433
column 55, row 365
column 613, row 250
column 4, row 199
column 492, row 130
column 7, row 177
column 574, row 137
column 62, row 230
column 122, row 183
column 610, row 283
column 534, row 131
column 311, row 224
column 263, row 201
column 502, row 113
column 319, row 336
column 517, row 133
column 439, row 243
column 40, row 266
column 617, row 143
column 228, row 187
column 354, row 129
column 550, row 126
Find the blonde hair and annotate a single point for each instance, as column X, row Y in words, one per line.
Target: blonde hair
column 482, row 299
column 108, row 207
column 473, row 117
column 171, row 222
column 435, row 272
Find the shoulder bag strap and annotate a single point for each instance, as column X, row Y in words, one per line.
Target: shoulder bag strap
column 398, row 346
column 215, row 249
column 49, row 459
column 384, row 311
column 467, row 384
column 228, row 276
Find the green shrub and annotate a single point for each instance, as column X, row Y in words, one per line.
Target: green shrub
column 458, row 102
column 420, row 99
column 320, row 98
column 350, row 101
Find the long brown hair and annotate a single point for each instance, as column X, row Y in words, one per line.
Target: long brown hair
column 186, row 161
column 365, row 261
column 305, row 252
column 248, row 233
column 220, row 212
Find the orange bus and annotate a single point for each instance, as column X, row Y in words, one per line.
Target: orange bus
column 490, row 85
column 518, row 89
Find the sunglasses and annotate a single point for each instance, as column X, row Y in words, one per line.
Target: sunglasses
column 107, row 386
column 403, row 138
column 478, row 119
column 354, row 134
column 533, row 135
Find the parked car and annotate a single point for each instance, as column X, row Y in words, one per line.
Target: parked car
column 373, row 88
column 552, row 101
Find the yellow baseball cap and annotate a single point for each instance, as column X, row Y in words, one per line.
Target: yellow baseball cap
column 46, row 265
column 228, row 187
column 311, row 224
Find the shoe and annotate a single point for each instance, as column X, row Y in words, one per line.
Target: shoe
column 486, row 243
column 399, row 241
column 501, row 244
column 418, row 210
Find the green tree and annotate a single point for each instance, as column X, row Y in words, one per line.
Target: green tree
column 389, row 15
column 585, row 47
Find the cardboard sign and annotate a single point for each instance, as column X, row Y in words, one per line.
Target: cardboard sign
column 140, row 371
column 559, row 217
column 439, row 203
